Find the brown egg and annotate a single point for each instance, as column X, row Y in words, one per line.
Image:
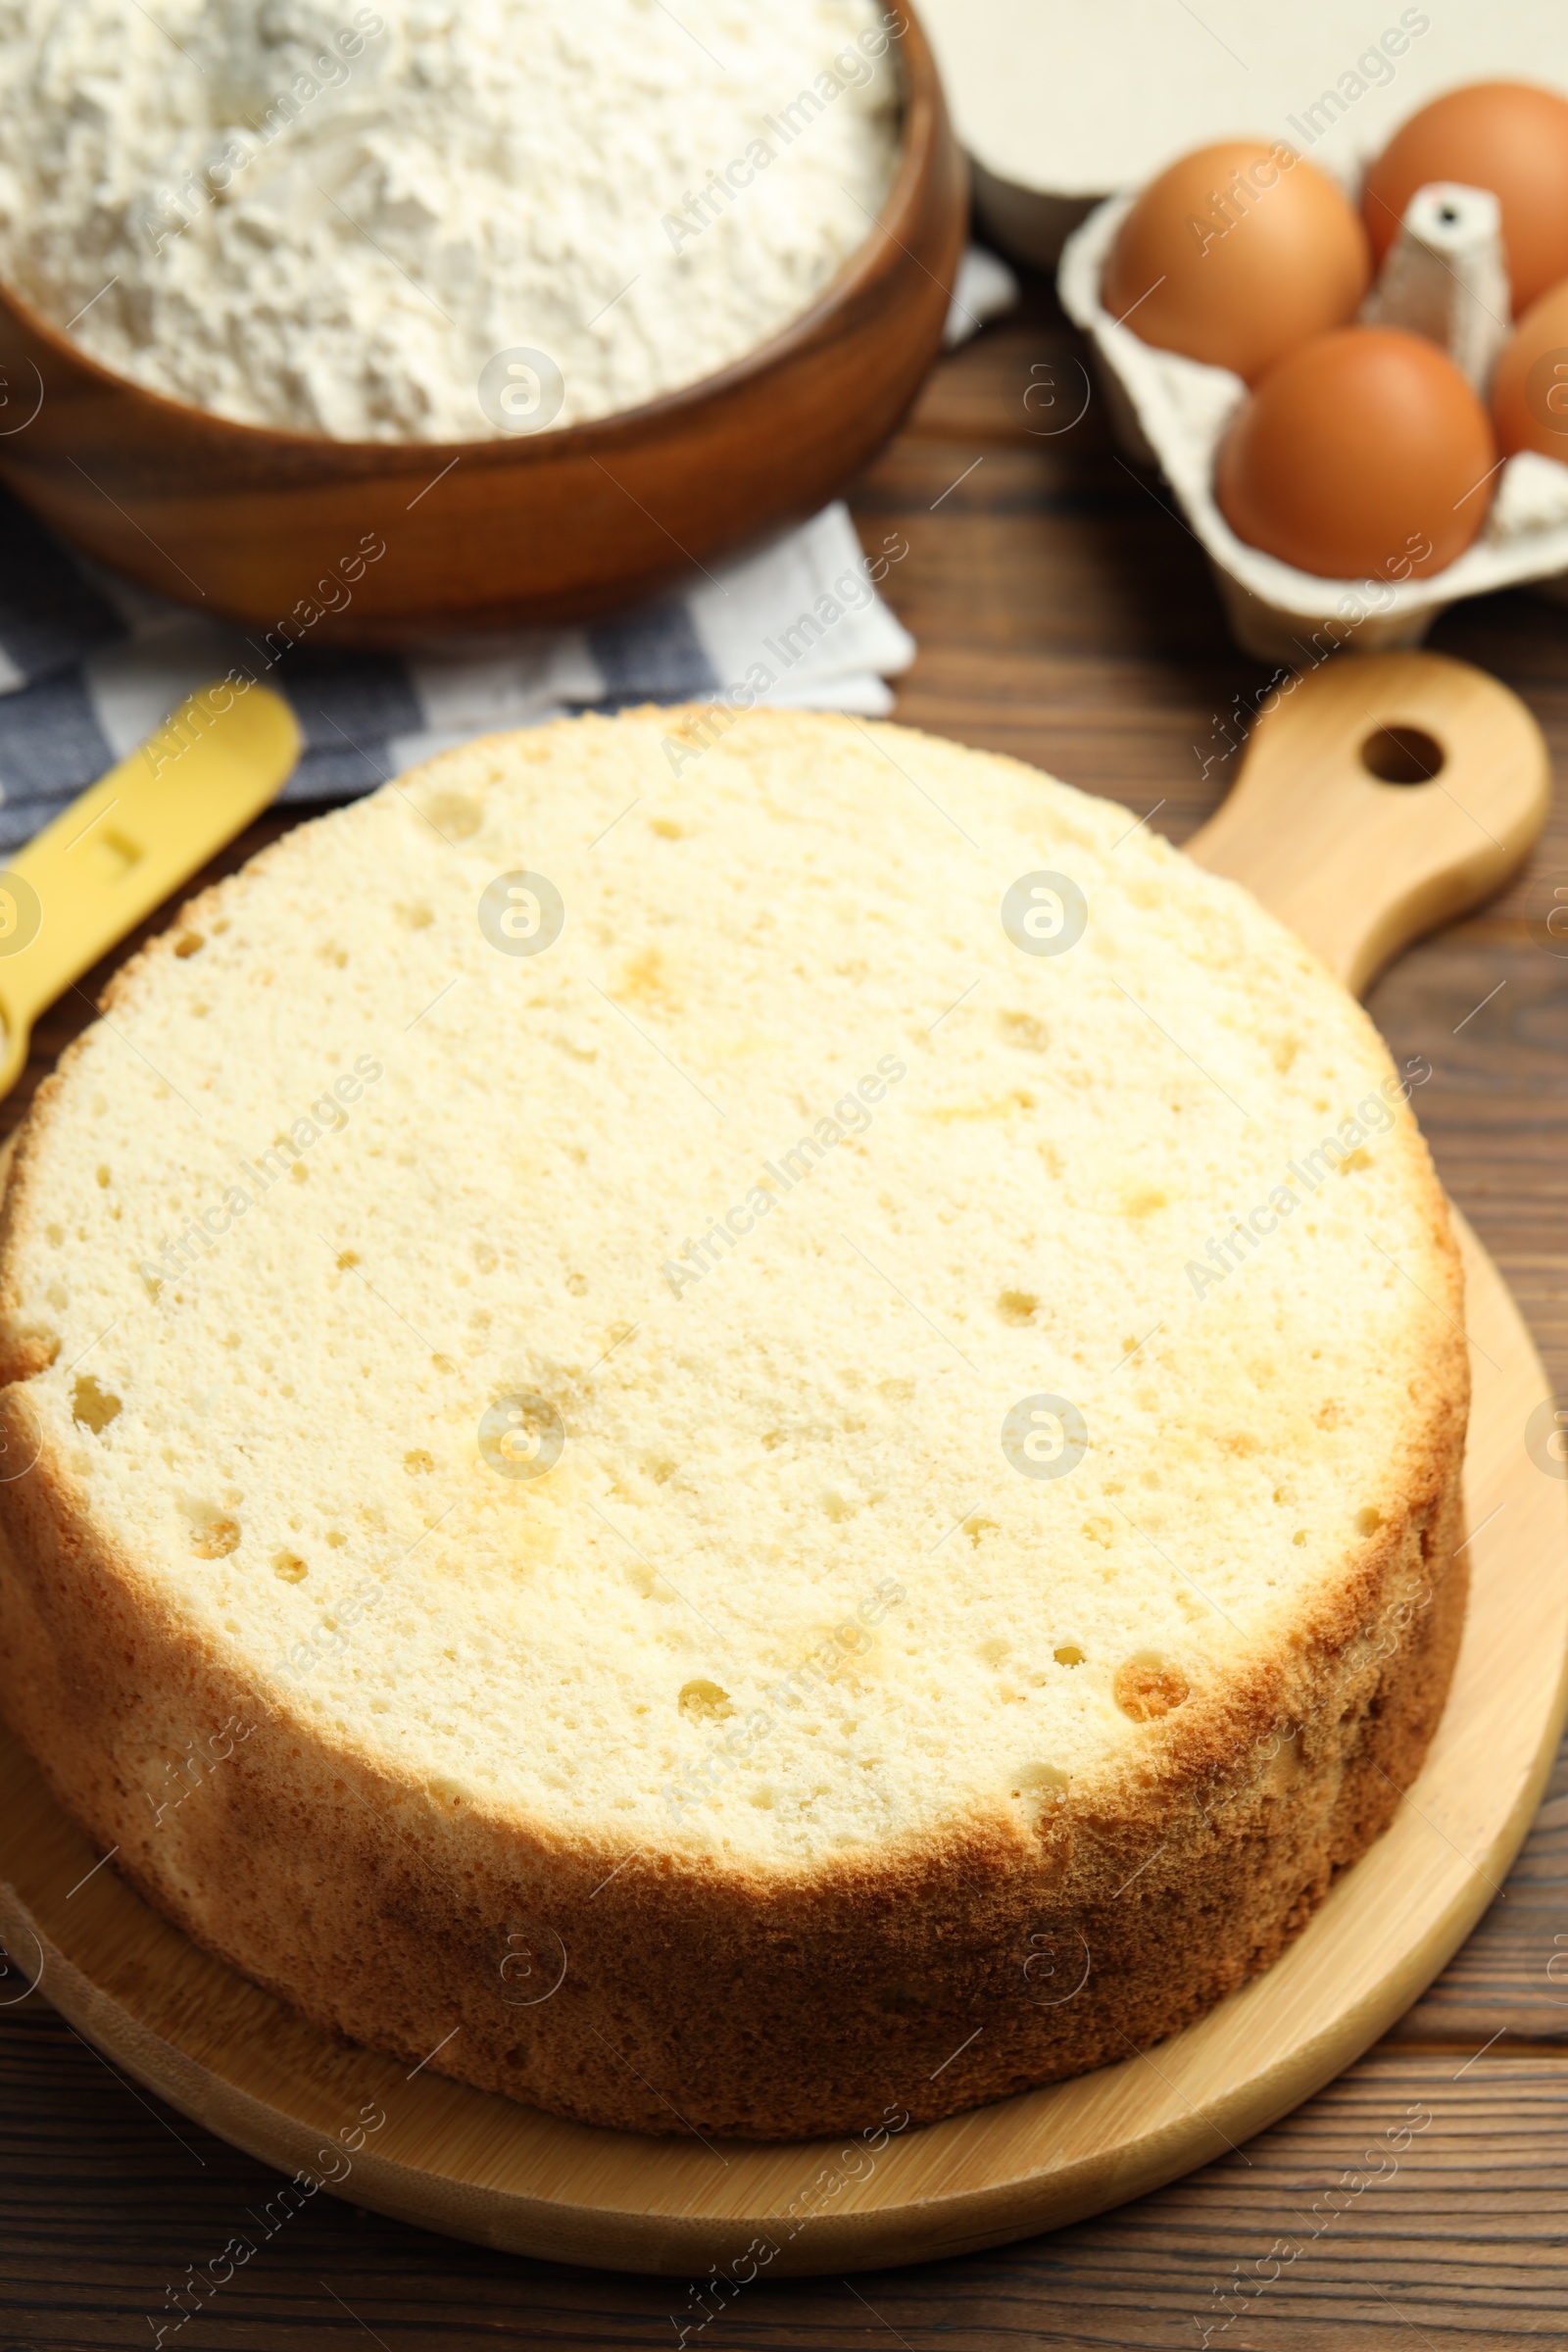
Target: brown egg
column 1236, row 254
column 1508, row 137
column 1364, row 455
column 1529, row 385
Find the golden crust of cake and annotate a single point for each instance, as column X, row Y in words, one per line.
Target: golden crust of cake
column 788, row 1747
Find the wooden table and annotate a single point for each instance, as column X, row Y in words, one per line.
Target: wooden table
column 1062, row 614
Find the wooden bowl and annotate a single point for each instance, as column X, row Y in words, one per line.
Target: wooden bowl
column 554, row 526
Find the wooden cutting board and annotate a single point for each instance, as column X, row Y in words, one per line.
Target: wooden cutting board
column 1359, row 866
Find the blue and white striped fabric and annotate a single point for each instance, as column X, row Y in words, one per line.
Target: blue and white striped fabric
column 89, row 664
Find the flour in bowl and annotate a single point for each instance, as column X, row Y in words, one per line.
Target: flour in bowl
column 344, row 220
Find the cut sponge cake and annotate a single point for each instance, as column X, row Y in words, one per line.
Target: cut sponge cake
column 751, row 1423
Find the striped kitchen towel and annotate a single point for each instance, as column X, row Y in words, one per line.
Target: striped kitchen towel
column 89, row 664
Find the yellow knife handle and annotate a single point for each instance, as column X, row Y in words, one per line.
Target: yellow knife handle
column 118, row 851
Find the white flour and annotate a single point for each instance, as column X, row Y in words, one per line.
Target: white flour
column 330, row 217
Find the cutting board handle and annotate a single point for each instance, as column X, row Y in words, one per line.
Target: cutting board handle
column 1380, row 795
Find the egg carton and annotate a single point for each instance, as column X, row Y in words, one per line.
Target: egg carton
column 1173, row 412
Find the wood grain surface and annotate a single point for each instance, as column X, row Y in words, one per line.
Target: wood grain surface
column 1065, row 615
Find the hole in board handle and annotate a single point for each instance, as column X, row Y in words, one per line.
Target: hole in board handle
column 1402, row 756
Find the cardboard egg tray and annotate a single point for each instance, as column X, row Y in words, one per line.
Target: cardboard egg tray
column 1173, row 412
